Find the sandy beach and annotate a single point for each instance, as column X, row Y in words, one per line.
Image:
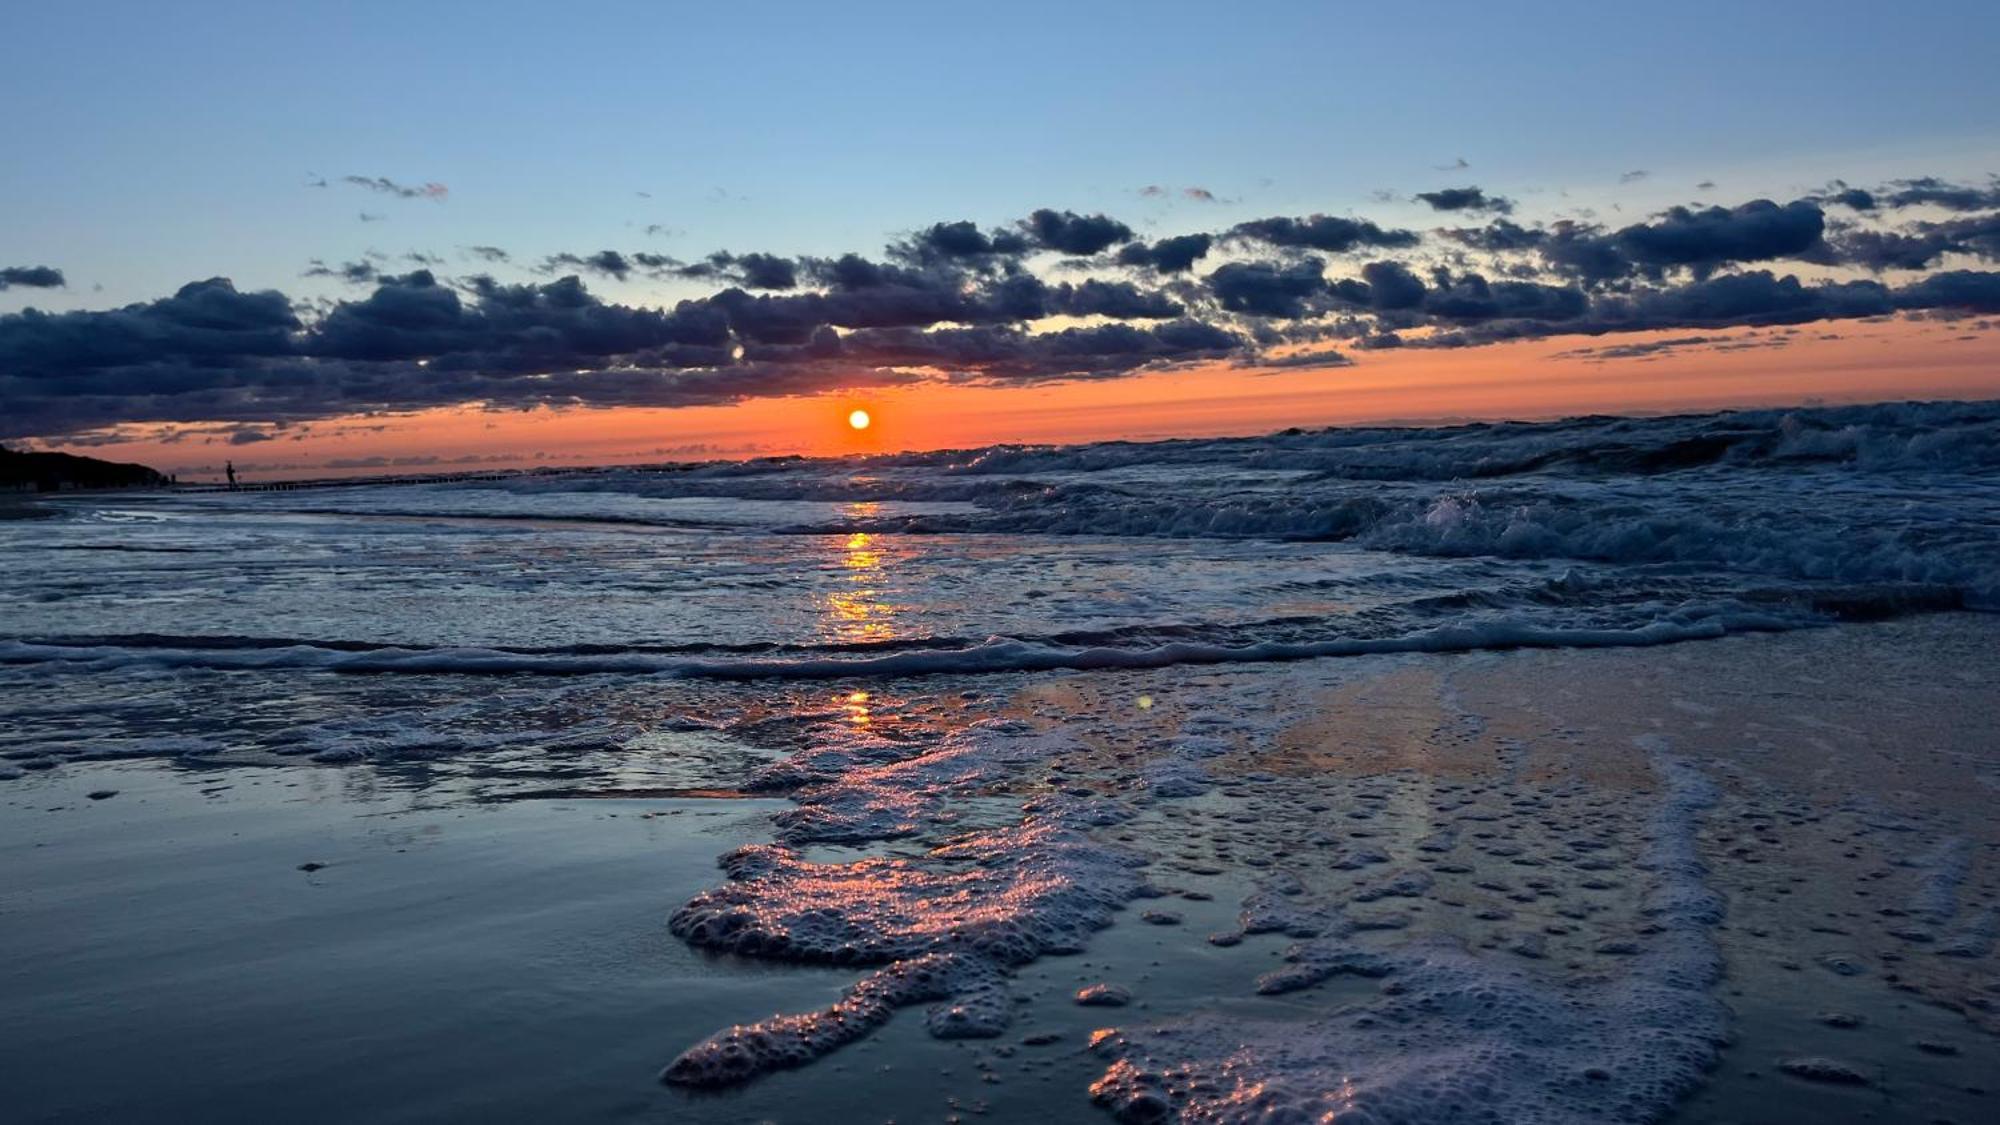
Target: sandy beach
column 327, row 943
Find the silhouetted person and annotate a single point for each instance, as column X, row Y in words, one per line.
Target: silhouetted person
column 229, row 467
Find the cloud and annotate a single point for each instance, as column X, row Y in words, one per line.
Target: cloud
column 1938, row 193
column 1917, row 246
column 1193, row 194
column 1970, row 290
column 1634, row 176
column 1269, row 289
column 1700, row 240
column 1323, row 232
column 357, row 273
column 763, row 271
column 605, row 263
column 1010, row 355
column 1315, row 357
column 1169, row 255
column 956, row 300
column 31, row 277
column 1653, row 349
column 386, row 186
column 1499, row 236
column 1471, row 297
column 1465, row 199
column 1118, row 299
column 960, row 242
column 1074, row 234
column 1704, row 239
column 1392, row 285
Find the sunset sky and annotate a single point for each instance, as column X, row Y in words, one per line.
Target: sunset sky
column 368, row 237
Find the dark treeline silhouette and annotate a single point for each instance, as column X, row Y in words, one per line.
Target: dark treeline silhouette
column 56, row 472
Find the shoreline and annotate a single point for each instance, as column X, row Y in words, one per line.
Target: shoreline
column 479, row 958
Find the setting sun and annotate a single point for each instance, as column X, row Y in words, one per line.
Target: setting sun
column 858, row 419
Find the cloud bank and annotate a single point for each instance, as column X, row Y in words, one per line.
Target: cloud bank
column 1055, row 295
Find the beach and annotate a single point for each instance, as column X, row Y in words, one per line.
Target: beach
column 460, row 956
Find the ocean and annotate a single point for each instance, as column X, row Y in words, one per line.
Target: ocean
column 1600, row 769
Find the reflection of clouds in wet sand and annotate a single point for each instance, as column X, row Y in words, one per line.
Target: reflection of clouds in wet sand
column 1541, row 841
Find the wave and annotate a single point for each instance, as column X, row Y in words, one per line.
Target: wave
column 1896, row 493
column 995, row 655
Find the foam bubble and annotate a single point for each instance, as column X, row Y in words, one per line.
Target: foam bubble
column 1455, row 1037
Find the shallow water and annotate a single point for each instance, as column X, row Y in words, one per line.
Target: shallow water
column 1359, row 759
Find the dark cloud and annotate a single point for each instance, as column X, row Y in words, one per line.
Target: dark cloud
column 766, row 271
column 1117, row 299
column 1634, row 176
column 1939, row 193
column 954, row 300
column 607, row 263
column 1465, row 199
column 1917, row 246
column 386, row 186
column 1756, row 297
column 1323, row 232
column 1707, row 238
column 357, row 273
column 1700, row 240
column 1391, row 285
column 1499, row 236
column 1471, row 297
column 1653, row 349
column 959, row 243
column 31, row 277
column 1074, row 234
column 1316, row 357
column 1969, row 290
column 204, row 323
column 1011, row 355
column 754, row 271
column 1272, row 289
column 1169, row 255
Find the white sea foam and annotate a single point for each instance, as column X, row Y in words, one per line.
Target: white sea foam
column 997, row 655
column 1454, row 1036
column 946, row 925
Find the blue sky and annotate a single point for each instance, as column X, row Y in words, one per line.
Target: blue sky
column 150, row 144
column 246, row 220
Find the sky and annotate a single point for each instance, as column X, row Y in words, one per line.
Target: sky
column 347, row 237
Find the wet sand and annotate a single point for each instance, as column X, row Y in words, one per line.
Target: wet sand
column 462, row 958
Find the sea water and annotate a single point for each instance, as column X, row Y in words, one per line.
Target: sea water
column 1017, row 702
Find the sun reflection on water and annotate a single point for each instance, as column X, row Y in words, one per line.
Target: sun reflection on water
column 858, row 611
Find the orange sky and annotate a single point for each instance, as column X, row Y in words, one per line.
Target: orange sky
column 1861, row 362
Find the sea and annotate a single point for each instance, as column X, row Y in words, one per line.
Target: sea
column 1497, row 771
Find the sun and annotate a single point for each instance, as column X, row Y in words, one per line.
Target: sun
column 859, row 419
